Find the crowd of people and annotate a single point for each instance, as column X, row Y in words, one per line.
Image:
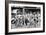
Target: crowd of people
column 26, row 18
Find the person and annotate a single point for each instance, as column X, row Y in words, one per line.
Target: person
column 26, row 21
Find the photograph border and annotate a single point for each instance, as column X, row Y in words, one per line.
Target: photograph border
column 6, row 16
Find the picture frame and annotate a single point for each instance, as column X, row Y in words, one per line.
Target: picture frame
column 22, row 8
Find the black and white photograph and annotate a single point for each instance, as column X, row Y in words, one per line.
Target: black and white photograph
column 25, row 17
